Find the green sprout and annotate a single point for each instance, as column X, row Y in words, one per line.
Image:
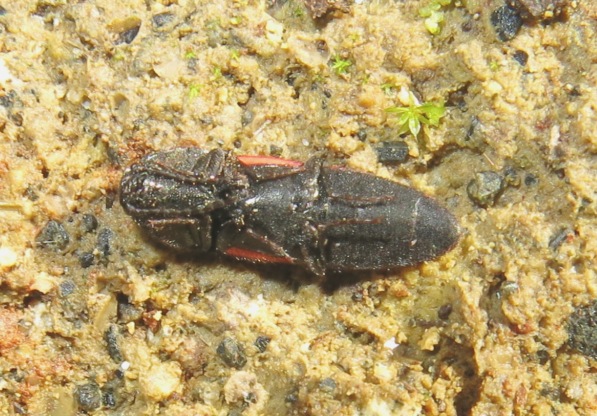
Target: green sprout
column 340, row 65
column 190, row 55
column 217, row 72
column 387, row 88
column 494, row 66
column 434, row 15
column 411, row 117
column 194, row 90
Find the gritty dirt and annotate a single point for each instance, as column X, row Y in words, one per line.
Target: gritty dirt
column 95, row 319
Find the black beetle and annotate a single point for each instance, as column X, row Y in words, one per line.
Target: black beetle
column 272, row 210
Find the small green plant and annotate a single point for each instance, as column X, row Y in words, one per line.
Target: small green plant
column 434, row 15
column 387, row 88
column 494, row 66
column 410, row 118
column 190, row 55
column 194, row 90
column 340, row 65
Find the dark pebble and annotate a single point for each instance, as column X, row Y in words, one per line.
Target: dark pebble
column 543, row 357
column 328, row 385
column 89, row 223
column 556, row 241
column 530, row 179
column 112, row 336
column 2, row 11
column 67, row 288
column 582, row 330
column 485, row 188
column 128, row 312
column 232, row 353
column 53, row 235
column 444, row 312
column 457, row 98
column 521, row 57
column 128, row 35
column 511, row 176
column 109, row 399
column 8, row 100
column 86, row 259
column 162, row 19
column 261, row 343
column 392, row 152
column 506, row 22
column 104, row 239
column 89, row 397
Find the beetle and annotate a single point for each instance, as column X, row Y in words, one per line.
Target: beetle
column 266, row 209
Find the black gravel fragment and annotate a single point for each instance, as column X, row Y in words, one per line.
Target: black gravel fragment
column 392, row 152
column 232, row 353
column 162, row 19
column 521, row 57
column 582, row 330
column 89, row 397
column 506, row 22
column 112, row 336
column 86, row 259
column 104, row 240
column 53, row 236
column 262, row 342
column 89, row 223
column 485, row 188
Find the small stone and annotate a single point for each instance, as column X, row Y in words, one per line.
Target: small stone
column 262, row 342
column 86, row 259
column 506, row 22
column 530, row 179
column 112, row 337
column 232, row 353
column 162, row 19
column 89, row 397
column 521, row 57
column 128, row 35
column 67, row 288
column 53, row 235
column 392, row 152
column 104, row 239
column 89, row 223
column 484, row 188
column 444, row 312
column 328, row 385
column 582, row 330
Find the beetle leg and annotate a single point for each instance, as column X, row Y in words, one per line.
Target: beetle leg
column 187, row 234
column 188, row 164
column 246, row 244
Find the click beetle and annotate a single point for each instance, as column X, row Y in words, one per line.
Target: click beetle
column 272, row 210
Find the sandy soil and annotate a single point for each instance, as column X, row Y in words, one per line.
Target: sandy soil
column 97, row 320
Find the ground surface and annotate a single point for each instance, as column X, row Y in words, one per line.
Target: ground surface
column 95, row 319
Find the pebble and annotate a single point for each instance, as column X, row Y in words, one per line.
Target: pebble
column 392, row 152
column 506, row 22
column 232, row 353
column 484, row 188
column 89, row 397
column 53, row 235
